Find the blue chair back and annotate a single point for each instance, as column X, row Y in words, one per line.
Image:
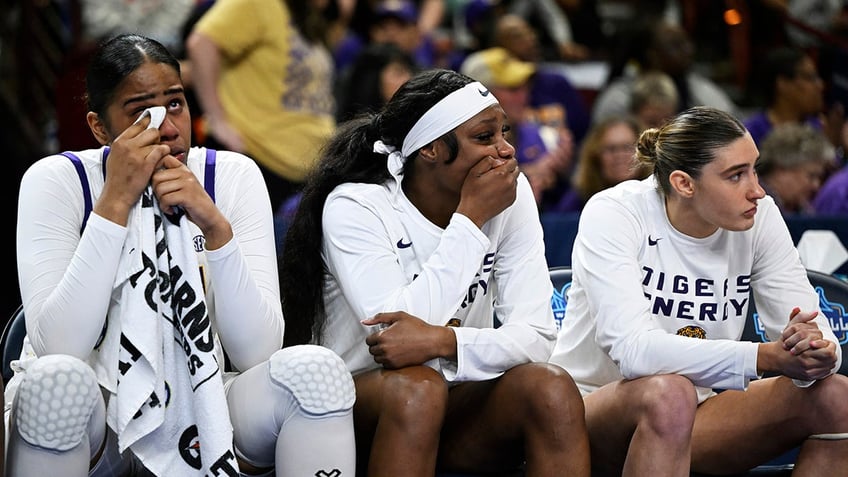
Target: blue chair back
column 833, row 300
column 561, row 279
column 11, row 342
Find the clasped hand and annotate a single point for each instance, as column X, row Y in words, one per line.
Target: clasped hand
column 810, row 355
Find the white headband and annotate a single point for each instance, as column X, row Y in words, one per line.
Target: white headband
column 453, row 110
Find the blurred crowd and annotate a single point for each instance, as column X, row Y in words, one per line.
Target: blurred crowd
column 274, row 78
column 580, row 80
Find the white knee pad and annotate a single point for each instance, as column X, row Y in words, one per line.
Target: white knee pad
column 316, row 376
column 55, row 401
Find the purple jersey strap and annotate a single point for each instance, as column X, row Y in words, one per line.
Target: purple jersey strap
column 208, row 181
column 209, row 178
column 86, row 190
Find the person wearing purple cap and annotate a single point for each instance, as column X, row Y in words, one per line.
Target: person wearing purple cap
column 400, row 22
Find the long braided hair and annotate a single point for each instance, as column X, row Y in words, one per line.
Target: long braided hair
column 349, row 157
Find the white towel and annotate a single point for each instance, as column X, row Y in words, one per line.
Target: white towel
column 168, row 406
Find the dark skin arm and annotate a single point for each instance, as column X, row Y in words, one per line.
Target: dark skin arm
column 408, row 341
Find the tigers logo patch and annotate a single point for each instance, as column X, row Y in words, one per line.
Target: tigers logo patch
column 692, row 332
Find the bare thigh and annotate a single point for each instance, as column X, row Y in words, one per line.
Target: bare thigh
column 486, row 422
column 397, row 419
column 373, row 387
column 478, row 433
column 737, row 430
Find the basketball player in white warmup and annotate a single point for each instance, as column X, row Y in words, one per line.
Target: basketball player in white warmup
column 128, row 326
column 415, row 230
column 662, row 271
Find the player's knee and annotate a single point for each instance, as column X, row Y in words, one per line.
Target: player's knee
column 668, row 403
column 539, row 381
column 827, row 401
column 546, row 392
column 316, row 377
column 417, row 394
column 55, row 401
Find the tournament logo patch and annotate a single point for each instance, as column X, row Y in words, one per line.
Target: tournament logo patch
column 199, row 243
column 558, row 302
column 692, row 331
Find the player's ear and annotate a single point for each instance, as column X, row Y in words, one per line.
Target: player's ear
column 682, row 183
column 428, row 152
column 98, row 128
